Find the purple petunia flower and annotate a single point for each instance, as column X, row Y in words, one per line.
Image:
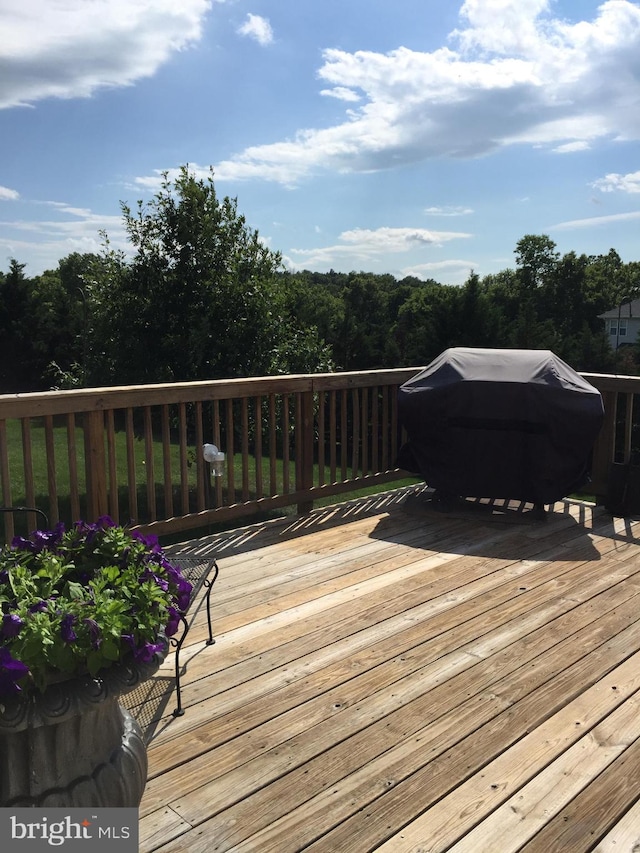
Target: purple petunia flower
column 40, row 540
column 10, row 626
column 150, row 575
column 173, row 622
column 38, row 607
column 184, row 594
column 94, row 632
column 19, row 543
column 151, row 541
column 11, row 671
column 145, row 653
column 129, row 639
column 66, row 628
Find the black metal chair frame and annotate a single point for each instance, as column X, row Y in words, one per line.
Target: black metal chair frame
column 14, row 509
column 197, row 571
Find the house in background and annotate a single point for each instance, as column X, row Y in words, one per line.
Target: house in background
column 622, row 323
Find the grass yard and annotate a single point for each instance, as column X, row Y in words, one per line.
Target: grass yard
column 40, row 465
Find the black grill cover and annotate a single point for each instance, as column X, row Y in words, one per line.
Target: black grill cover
column 499, row 423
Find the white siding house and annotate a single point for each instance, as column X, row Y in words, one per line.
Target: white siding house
column 622, row 324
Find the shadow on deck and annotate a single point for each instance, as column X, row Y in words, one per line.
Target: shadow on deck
column 390, row 678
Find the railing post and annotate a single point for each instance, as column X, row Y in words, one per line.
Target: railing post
column 604, row 448
column 95, row 465
column 304, row 449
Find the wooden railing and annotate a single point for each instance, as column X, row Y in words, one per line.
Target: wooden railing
column 618, row 436
column 135, row 453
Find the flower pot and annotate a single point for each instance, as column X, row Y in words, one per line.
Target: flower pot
column 74, row 745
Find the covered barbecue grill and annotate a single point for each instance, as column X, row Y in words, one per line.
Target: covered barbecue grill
column 499, row 423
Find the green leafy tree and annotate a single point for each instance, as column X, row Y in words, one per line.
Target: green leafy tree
column 426, row 323
column 478, row 317
column 17, row 369
column 63, row 319
column 201, row 297
column 536, row 260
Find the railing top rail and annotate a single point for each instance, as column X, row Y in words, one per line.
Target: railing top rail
column 39, row 403
column 614, row 382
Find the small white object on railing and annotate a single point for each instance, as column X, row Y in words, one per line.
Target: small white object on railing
column 215, row 458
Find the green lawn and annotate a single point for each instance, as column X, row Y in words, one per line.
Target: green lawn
column 17, row 479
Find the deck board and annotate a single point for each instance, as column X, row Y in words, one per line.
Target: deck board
column 385, row 678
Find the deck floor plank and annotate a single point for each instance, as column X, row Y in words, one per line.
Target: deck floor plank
column 386, row 678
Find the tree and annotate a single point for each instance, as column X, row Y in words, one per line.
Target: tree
column 201, row 297
column 478, row 319
column 16, row 331
column 536, row 260
column 63, row 318
column 426, row 323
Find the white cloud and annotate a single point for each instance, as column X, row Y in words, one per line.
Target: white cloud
column 455, row 271
column 511, row 75
column 362, row 245
column 448, row 211
column 571, row 147
column 502, row 26
column 70, row 229
column 7, row 194
column 70, row 48
column 595, row 221
column 341, row 93
column 629, row 183
column 257, row 28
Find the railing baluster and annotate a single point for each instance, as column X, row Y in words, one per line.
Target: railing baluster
column 52, row 485
column 244, row 418
column 257, row 427
column 394, row 426
column 217, row 440
column 201, row 473
column 9, row 529
column 166, row 462
column 184, row 467
column 112, row 464
column 321, row 437
column 365, row 431
column 27, row 462
column 231, row 481
column 131, row 467
column 273, row 482
column 385, row 428
column 343, row 433
column 628, row 427
column 333, row 465
column 149, row 465
column 72, row 457
column 285, row 444
column 375, row 439
column 355, row 433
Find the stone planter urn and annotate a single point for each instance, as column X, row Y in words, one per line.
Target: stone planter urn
column 74, row 745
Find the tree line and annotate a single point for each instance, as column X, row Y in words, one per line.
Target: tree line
column 202, row 297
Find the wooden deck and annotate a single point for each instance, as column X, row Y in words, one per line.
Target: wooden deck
column 391, row 679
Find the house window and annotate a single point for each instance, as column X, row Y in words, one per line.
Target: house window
column 613, row 328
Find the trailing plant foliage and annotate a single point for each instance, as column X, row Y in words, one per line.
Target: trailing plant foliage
column 79, row 600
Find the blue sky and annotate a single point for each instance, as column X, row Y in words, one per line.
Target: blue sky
column 411, row 137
